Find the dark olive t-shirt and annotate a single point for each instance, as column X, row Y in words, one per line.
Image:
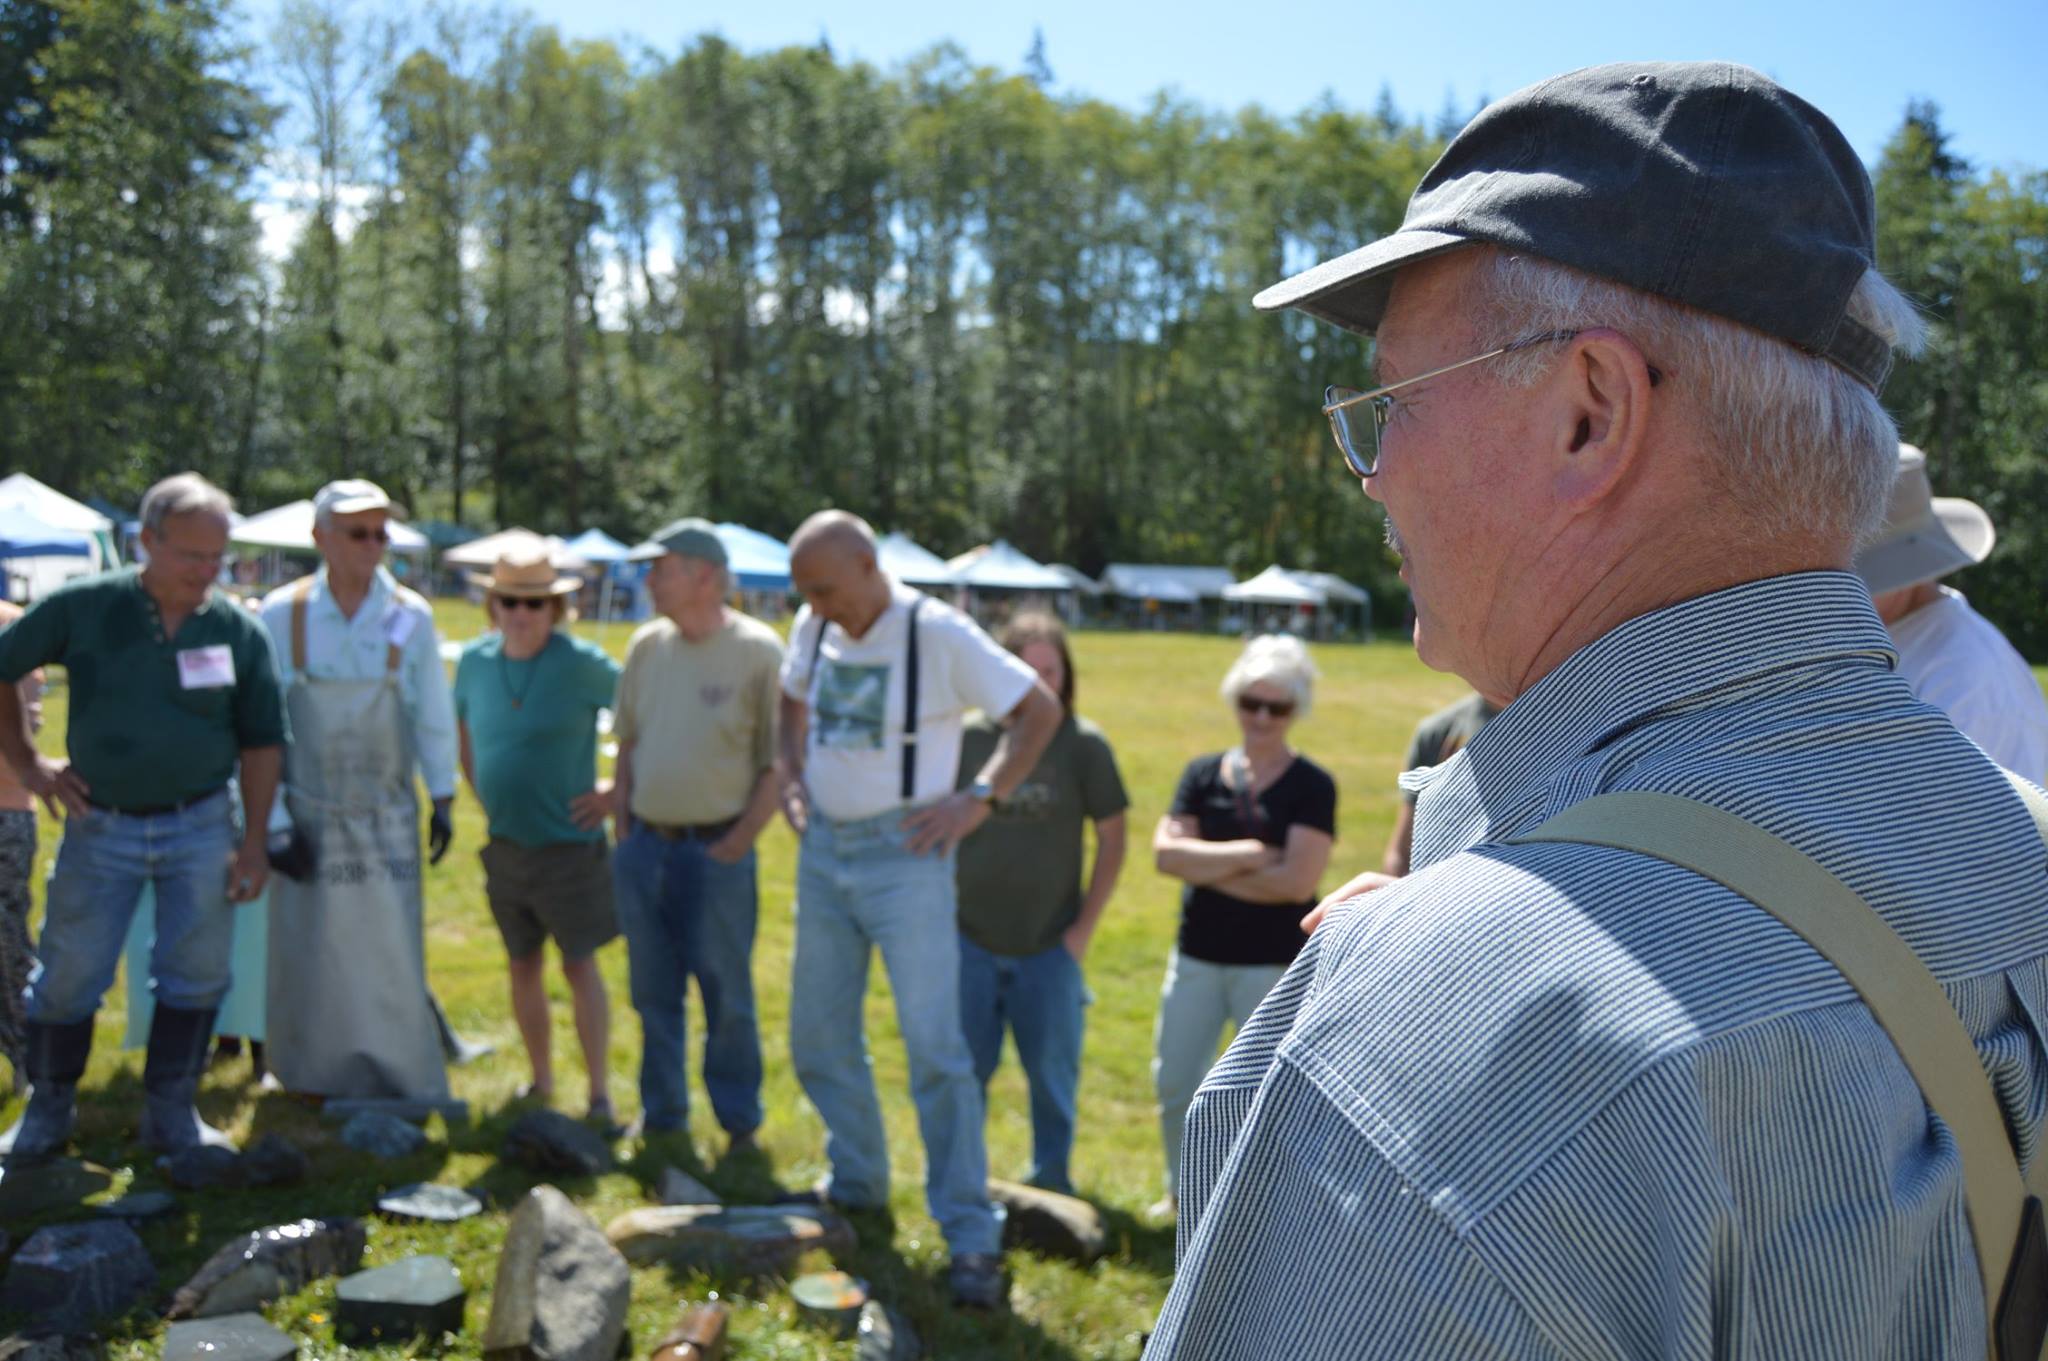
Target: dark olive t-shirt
column 153, row 720
column 1020, row 873
column 1440, row 736
column 1215, row 926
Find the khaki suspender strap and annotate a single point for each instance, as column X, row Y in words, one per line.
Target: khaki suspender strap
column 1907, row 1001
column 301, row 594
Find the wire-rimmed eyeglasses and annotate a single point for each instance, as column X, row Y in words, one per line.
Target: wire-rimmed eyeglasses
column 1359, row 438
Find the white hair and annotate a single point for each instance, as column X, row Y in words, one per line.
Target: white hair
column 1277, row 659
column 184, row 494
column 1802, row 446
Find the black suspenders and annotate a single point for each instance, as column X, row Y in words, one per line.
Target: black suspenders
column 909, row 694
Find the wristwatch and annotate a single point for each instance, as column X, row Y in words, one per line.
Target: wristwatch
column 986, row 792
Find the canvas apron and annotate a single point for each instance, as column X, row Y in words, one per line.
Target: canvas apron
column 348, row 1012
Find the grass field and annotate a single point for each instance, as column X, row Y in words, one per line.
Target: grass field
column 1155, row 695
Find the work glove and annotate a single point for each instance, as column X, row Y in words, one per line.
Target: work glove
column 440, row 831
column 290, row 854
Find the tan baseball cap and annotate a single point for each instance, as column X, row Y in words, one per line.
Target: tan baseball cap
column 1925, row 536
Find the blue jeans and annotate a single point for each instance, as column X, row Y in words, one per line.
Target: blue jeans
column 1044, row 1001
column 685, row 915
column 858, row 889
column 104, row 861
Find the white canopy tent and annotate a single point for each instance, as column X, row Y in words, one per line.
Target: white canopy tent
column 1277, row 586
column 1157, row 581
column 1077, row 579
column 910, row 562
column 289, row 528
column 1001, row 566
column 41, row 574
column 480, row 554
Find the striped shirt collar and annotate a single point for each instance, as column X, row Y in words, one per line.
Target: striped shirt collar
column 1697, row 652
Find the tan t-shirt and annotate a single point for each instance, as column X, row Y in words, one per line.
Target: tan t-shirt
column 14, row 796
column 700, row 718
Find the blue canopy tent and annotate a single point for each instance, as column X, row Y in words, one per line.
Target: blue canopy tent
column 24, row 535
column 612, row 561
column 757, row 561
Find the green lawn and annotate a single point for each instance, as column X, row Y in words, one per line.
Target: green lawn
column 1155, row 695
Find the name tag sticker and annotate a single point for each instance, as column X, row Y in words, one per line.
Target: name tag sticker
column 398, row 626
column 206, row 668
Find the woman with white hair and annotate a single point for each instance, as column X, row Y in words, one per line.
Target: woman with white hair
column 1249, row 835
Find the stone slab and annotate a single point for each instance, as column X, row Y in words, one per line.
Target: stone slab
column 831, row 1299
column 138, row 1205
column 562, row 1289
column 1049, row 1223
column 68, row 1275
column 745, row 1238
column 230, row 1337
column 677, row 1187
column 550, row 1143
column 420, row 1296
column 885, row 1335
column 44, row 1347
column 383, row 1136
column 274, row 1160
column 202, row 1167
column 252, row 1269
column 43, row 1186
column 430, row 1201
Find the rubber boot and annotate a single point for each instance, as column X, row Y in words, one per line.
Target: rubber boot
column 179, row 1039
column 55, row 1061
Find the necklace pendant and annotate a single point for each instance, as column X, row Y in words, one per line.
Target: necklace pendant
column 518, row 704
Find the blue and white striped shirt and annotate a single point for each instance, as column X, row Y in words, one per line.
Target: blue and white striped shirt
column 1562, row 1101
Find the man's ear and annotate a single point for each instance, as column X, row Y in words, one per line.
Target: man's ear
column 1603, row 393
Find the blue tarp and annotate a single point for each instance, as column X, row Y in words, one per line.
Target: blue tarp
column 759, row 562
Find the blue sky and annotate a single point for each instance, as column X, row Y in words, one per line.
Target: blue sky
column 1980, row 60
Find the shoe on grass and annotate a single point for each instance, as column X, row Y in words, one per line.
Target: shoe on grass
column 976, row 1281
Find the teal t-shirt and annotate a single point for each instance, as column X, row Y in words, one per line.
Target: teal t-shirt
column 533, row 733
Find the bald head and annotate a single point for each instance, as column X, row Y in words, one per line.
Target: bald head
column 832, row 565
column 833, row 531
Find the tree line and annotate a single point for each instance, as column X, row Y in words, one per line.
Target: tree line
column 567, row 283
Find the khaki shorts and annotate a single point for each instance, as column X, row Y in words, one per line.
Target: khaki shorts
column 564, row 891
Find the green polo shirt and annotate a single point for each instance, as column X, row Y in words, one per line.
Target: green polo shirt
column 154, row 721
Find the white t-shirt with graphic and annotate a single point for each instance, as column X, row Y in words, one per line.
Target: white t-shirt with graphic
column 853, row 757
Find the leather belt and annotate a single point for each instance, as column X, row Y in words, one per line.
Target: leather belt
column 689, row 831
column 159, row 809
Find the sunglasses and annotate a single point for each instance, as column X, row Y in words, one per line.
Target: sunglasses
column 361, row 535
column 1278, row 708
column 523, row 602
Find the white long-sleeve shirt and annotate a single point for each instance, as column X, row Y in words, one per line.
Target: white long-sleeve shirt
column 1958, row 661
column 339, row 648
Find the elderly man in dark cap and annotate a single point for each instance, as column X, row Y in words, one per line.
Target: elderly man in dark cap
column 1594, row 1079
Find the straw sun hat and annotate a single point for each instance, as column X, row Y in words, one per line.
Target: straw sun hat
column 526, row 574
column 1925, row 536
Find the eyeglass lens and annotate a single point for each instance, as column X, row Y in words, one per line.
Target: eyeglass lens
column 1356, row 428
column 523, row 602
column 360, row 535
column 1278, row 708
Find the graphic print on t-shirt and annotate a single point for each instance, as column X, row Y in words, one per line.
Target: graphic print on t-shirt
column 851, row 701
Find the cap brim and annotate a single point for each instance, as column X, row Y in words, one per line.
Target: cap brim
column 645, row 552
column 1351, row 290
column 356, row 505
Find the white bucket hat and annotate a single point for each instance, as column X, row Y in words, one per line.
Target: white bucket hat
column 1924, row 536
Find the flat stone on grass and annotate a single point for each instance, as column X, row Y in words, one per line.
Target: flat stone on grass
column 382, row 1136
column 746, row 1238
column 252, row 1269
column 550, row 1143
column 68, row 1275
column 201, row 1167
column 33, row 1188
column 231, row 1337
column 677, row 1187
column 420, row 1296
column 275, row 1160
column 430, row 1201
column 138, row 1205
column 1049, row 1223
column 344, row 1109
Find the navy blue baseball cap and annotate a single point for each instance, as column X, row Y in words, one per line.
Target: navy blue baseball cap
column 1703, row 182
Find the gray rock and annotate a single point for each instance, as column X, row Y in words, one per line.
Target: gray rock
column 231, row 1337
column 382, row 1136
column 138, row 1205
column 201, row 1167
column 550, row 1143
column 1049, row 1223
column 886, row 1335
column 677, row 1187
column 430, row 1201
column 45, row 1348
column 42, row 1186
column 420, row 1296
column 831, row 1299
column 275, row 1160
column 253, row 1269
column 750, row 1239
column 344, row 1109
column 67, row 1275
column 562, row 1288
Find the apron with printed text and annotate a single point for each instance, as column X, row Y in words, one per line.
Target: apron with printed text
column 348, row 1012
